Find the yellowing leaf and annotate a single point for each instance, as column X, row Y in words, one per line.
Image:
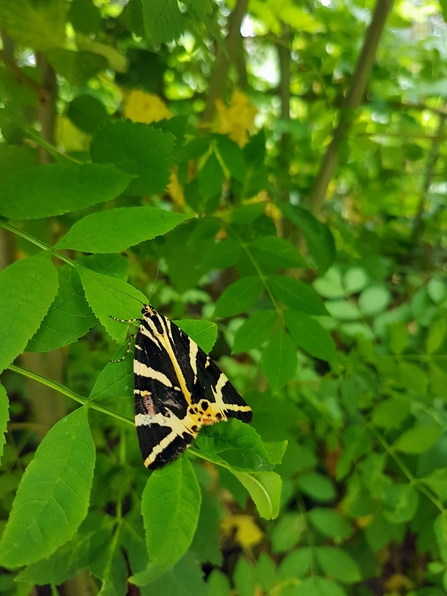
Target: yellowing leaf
column 116, row 60
column 70, row 136
column 364, row 520
column 396, row 582
column 175, row 190
column 40, row 26
column 236, row 120
column 145, row 107
column 247, row 534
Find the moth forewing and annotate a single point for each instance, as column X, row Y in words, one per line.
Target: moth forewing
column 177, row 389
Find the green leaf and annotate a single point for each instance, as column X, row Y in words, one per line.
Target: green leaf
column 239, row 296
column 4, row 417
column 343, row 310
column 110, row 566
column 338, row 564
column 237, row 444
column 87, row 112
column 139, row 149
column 53, row 495
column 354, row 280
column 244, row 578
column 277, row 252
column 331, row 284
column 40, row 26
column 110, row 297
column 297, row 295
column 436, row 336
column 266, row 572
column 204, row 333
column 437, row 482
column 317, row 487
column 374, row 300
column 114, row 265
column 319, row 586
column 116, row 381
column 57, row 188
column 247, row 213
column 401, row 502
column 77, row 67
column 264, row 489
column 419, row 438
column 279, row 360
column 295, row 564
column 133, row 540
column 170, row 507
column 210, row 178
column 319, row 239
column 440, row 530
column 218, row 583
column 310, row 335
column 391, row 412
column 184, row 579
column 163, row 21
column 436, row 287
column 222, row 254
column 330, row 523
column 84, row 16
column 399, row 337
column 73, row 556
column 117, row 229
column 34, row 277
column 254, row 331
column 232, row 157
column 206, row 542
column 14, row 159
column 288, row 531
column 413, row 378
column 69, row 317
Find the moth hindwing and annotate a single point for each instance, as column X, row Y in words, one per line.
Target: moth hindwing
column 177, row 389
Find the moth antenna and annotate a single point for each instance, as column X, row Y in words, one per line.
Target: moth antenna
column 130, row 296
column 153, row 285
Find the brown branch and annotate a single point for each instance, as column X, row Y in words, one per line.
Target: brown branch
column 220, row 73
column 432, row 158
column 22, row 78
column 47, row 109
column 353, row 100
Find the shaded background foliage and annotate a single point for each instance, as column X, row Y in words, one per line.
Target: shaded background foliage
column 309, row 138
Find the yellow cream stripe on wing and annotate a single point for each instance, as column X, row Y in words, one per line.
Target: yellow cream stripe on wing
column 193, row 351
column 224, row 406
column 164, row 340
column 161, row 446
column 178, row 428
column 146, row 371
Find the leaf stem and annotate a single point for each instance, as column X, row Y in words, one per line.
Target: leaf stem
column 262, row 277
column 414, row 481
column 37, row 242
column 65, row 391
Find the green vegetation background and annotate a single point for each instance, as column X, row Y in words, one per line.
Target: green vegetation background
column 282, row 166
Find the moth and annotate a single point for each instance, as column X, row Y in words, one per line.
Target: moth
column 177, row 388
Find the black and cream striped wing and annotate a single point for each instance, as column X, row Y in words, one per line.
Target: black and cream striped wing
column 178, row 389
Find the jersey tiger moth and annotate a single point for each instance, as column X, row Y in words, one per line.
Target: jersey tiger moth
column 177, row 388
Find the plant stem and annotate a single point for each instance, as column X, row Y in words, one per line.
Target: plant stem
column 414, row 481
column 71, row 394
column 37, row 242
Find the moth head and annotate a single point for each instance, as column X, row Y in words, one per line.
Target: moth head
column 147, row 310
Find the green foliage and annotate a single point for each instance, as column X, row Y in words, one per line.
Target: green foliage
column 171, row 496
column 36, row 276
column 46, row 513
column 330, row 321
column 59, row 188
